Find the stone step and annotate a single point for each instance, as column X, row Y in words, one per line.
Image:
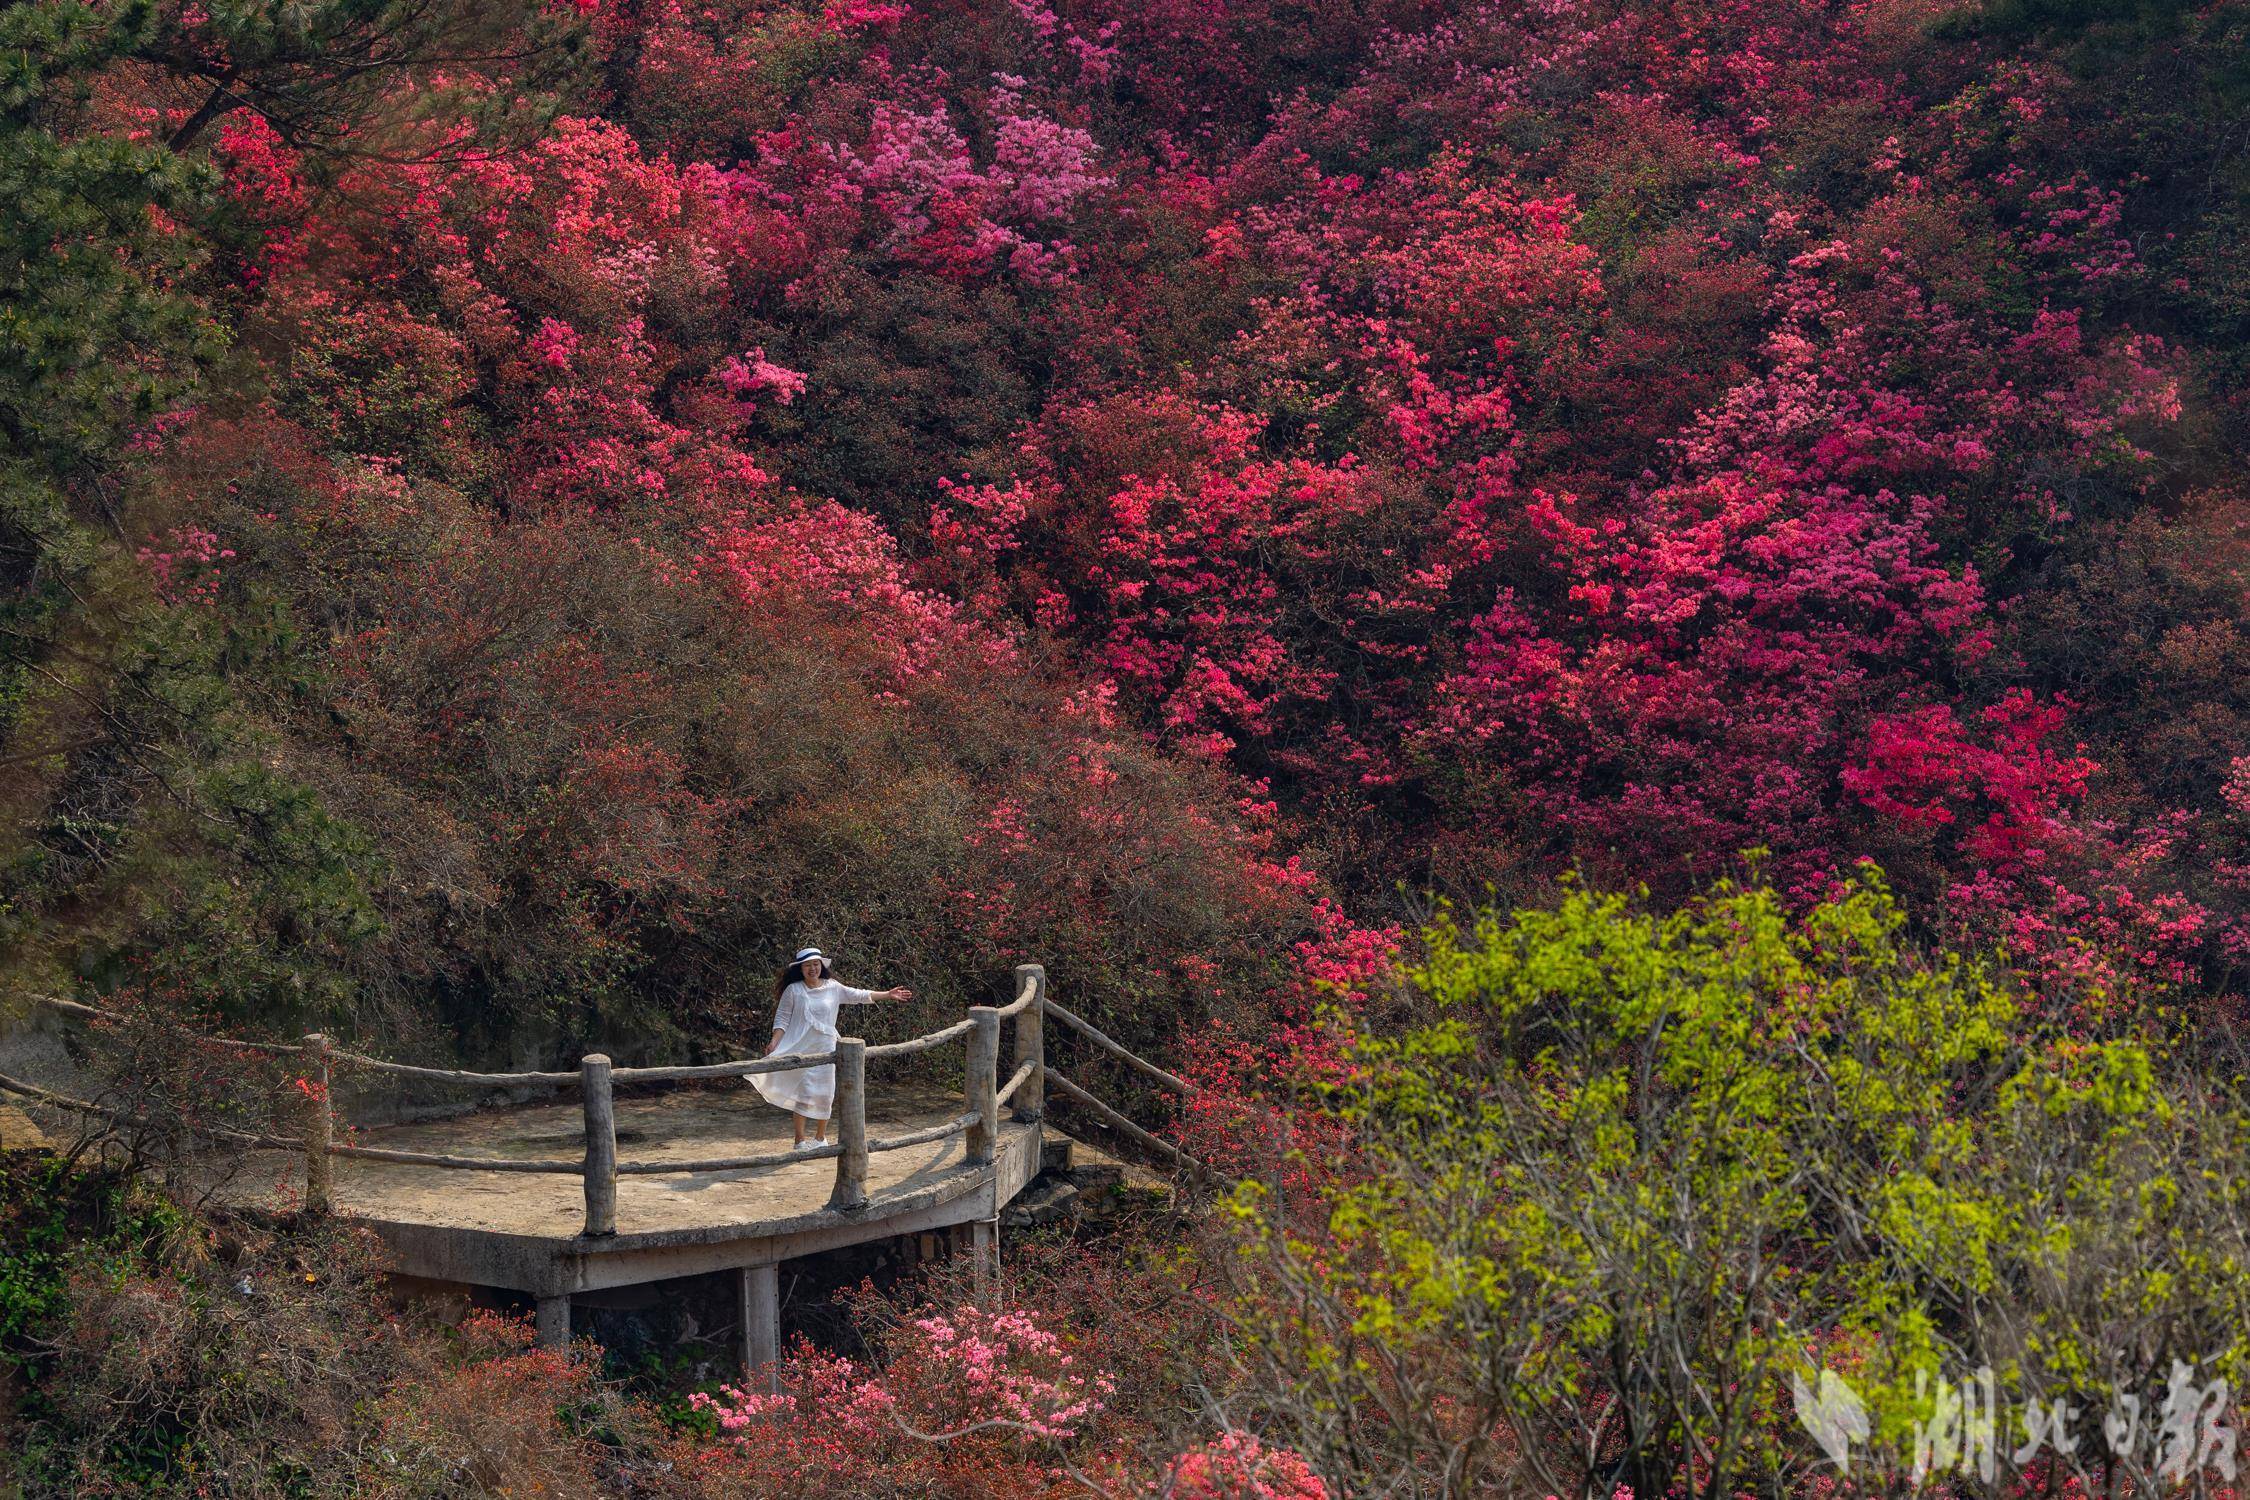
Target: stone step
column 1049, row 1200
column 1096, row 1171
column 1096, row 1176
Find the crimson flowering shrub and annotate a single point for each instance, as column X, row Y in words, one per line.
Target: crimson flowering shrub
column 1236, row 1466
column 266, row 187
column 942, row 211
column 184, row 567
column 966, row 1392
column 1072, row 1385
column 1601, row 474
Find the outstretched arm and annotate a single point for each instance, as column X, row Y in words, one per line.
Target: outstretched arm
column 863, row 997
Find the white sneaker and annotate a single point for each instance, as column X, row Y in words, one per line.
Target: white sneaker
column 805, row 1146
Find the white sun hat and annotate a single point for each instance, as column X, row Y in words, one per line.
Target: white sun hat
column 805, row 953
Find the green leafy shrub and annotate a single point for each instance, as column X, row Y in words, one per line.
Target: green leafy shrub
column 1625, row 1176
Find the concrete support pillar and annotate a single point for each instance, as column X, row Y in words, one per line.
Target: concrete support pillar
column 761, row 1323
column 553, row 1322
column 984, row 1258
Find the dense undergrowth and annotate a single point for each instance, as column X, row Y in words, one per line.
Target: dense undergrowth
column 153, row 1350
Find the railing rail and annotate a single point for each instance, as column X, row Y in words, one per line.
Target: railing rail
column 1024, row 1093
column 1123, row 1126
column 1118, row 1050
column 232, row 1044
column 921, row 1043
column 456, row 1075
column 926, row 1134
column 32, row 1091
column 596, row 1080
column 696, row 1072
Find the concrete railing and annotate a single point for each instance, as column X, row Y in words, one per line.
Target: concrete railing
column 984, row 1095
column 596, row 1078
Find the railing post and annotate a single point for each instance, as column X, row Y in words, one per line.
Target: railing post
column 601, row 1145
column 850, row 1120
column 983, row 1084
column 1031, row 1042
column 320, row 1126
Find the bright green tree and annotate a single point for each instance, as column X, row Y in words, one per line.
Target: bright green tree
column 1627, row 1177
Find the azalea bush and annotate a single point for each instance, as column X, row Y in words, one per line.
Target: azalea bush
column 962, row 1401
column 1237, row 1466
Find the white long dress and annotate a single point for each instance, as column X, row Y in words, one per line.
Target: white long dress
column 806, row 1019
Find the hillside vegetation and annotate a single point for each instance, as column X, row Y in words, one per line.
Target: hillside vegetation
column 515, row 516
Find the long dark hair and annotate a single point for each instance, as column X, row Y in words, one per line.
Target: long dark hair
column 792, row 971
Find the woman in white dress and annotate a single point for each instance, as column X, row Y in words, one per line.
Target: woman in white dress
column 806, row 997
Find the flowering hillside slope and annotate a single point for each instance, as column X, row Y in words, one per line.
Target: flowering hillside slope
column 514, row 515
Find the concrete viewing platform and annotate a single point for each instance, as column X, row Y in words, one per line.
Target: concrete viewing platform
column 653, row 1174
column 523, row 1230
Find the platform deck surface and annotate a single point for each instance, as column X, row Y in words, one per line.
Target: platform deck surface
column 678, row 1125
